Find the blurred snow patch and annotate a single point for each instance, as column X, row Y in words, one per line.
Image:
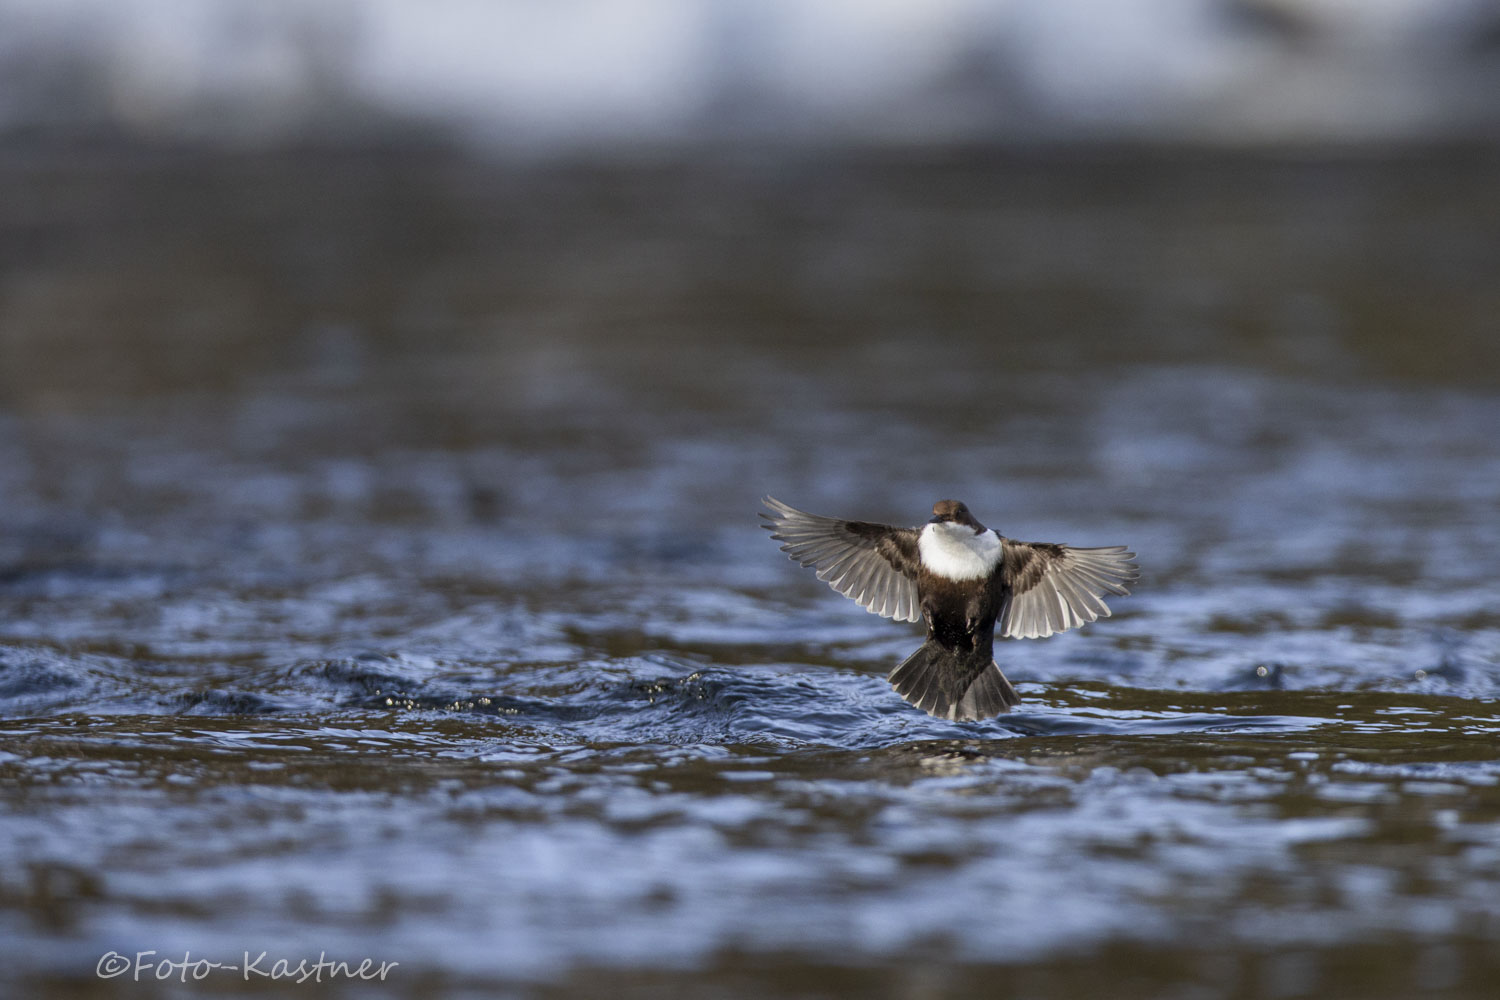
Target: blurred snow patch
column 612, row 73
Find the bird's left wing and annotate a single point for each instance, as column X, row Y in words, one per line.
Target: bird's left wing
column 1055, row 587
column 874, row 564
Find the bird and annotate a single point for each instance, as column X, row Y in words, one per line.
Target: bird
column 962, row 580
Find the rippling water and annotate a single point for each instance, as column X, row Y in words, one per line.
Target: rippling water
column 380, row 576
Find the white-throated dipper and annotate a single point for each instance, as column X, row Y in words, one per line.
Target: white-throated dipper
column 961, row 578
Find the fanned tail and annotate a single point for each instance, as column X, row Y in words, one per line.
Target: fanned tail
column 953, row 685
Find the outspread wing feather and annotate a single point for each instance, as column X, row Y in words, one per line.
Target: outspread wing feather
column 873, row 564
column 1054, row 587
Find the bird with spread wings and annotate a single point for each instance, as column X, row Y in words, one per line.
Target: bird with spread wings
column 964, row 581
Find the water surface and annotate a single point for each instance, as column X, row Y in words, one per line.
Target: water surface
column 380, row 576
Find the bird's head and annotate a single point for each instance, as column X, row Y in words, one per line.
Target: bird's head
column 954, row 512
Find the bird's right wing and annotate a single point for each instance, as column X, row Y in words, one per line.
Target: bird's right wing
column 874, row 564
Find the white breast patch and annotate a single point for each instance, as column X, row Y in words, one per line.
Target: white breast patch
column 955, row 552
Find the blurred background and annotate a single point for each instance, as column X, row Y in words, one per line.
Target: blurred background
column 619, row 77
column 387, row 389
